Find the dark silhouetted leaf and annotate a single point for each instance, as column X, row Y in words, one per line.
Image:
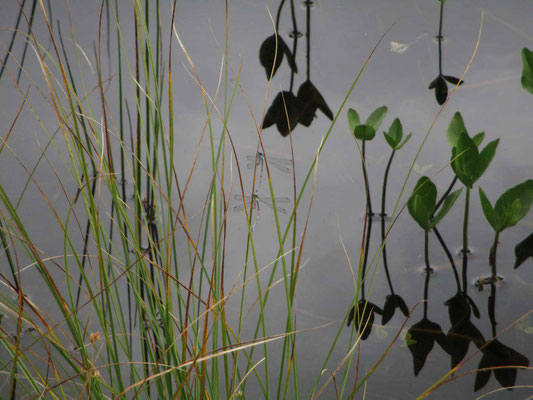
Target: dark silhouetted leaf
column 284, row 104
column 392, row 302
column 453, row 80
column 473, row 306
column 270, row 60
column 420, row 341
column 523, row 250
column 363, row 316
column 441, row 89
column 458, row 308
column 311, row 99
column 527, row 70
column 496, row 354
column 459, row 337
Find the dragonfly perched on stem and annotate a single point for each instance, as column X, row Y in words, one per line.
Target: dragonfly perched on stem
column 258, row 160
column 256, row 201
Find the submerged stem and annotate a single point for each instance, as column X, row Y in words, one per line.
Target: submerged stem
column 450, row 257
column 492, row 257
column 383, row 214
column 428, row 271
column 465, row 237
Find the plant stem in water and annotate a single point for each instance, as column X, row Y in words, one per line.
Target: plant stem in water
column 465, row 237
column 492, row 257
column 383, row 214
column 367, row 187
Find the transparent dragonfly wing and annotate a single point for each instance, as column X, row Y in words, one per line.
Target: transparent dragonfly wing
column 264, row 200
column 268, row 202
column 282, row 164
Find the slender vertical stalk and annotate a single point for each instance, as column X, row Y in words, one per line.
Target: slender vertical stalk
column 428, row 271
column 367, row 186
column 439, row 37
column 383, row 214
column 492, row 257
column 450, row 257
column 465, row 237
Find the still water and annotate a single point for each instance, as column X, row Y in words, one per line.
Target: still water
column 322, row 46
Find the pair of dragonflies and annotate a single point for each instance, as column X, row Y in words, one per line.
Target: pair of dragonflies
column 258, row 161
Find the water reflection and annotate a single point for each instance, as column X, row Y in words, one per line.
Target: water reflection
column 287, row 109
column 439, row 83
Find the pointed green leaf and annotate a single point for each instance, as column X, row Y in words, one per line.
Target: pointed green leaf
column 527, row 70
column 422, row 203
column 488, row 211
column 485, row 157
column 395, row 134
column 505, row 207
column 353, row 119
column 478, row 139
column 446, row 207
column 456, row 127
column 364, row 132
column 465, row 160
column 404, row 141
column 376, row 118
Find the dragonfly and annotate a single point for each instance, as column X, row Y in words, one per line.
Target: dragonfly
column 283, row 164
column 256, row 200
column 258, row 161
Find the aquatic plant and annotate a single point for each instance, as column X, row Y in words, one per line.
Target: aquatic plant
column 509, row 209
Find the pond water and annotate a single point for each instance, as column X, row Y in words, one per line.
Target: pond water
column 337, row 37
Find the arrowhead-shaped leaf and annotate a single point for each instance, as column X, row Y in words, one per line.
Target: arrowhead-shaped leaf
column 488, row 211
column 376, row 118
column 478, row 139
column 422, row 203
column 395, row 134
column 353, row 119
column 453, row 80
column 446, row 207
column 485, row 157
column 514, row 204
column 456, row 127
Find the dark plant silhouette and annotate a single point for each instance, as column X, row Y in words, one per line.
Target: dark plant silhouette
column 311, row 100
column 439, row 83
column 421, row 338
column 362, row 314
column 462, row 331
column 523, row 250
column 271, row 54
column 392, row 302
column 285, row 112
column 501, row 359
column 498, row 357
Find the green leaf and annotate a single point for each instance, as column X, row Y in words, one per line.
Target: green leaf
column 488, row 211
column 421, row 204
column 478, row 139
column 364, row 132
column 447, row 205
column 508, row 211
column 486, row 156
column 353, row 119
column 512, row 214
column 465, row 160
column 395, row 134
column 376, row 118
column 456, row 127
column 404, row 141
column 527, row 70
